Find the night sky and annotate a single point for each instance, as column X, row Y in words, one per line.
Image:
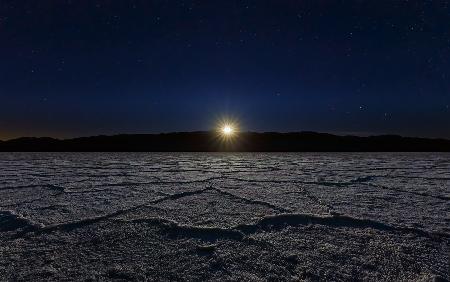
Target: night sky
column 77, row 68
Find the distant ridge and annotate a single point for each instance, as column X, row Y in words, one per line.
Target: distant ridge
column 243, row 142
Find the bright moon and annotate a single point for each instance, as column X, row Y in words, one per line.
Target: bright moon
column 227, row 130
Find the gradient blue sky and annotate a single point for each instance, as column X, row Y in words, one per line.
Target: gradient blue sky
column 75, row 68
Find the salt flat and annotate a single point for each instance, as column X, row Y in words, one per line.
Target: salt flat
column 224, row 216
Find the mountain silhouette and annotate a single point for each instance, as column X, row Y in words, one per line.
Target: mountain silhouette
column 206, row 141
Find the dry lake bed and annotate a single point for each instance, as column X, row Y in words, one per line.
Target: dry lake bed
column 224, row 216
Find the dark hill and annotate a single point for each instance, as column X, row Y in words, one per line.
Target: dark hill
column 244, row 141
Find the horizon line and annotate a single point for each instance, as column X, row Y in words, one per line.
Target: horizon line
column 211, row 131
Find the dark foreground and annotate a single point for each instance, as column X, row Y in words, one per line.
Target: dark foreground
column 242, row 142
column 210, row 216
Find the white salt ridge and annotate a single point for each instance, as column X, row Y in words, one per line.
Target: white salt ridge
column 203, row 216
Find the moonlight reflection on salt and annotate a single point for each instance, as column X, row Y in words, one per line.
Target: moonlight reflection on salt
column 232, row 216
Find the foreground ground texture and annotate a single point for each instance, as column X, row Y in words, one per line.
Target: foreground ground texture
column 211, row 216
